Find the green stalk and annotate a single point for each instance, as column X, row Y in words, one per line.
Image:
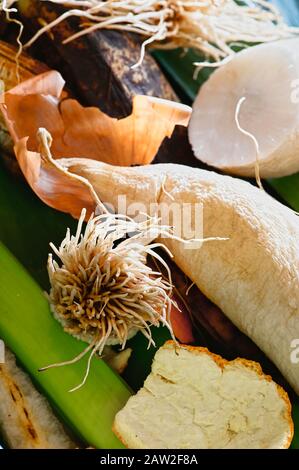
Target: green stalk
column 30, row 331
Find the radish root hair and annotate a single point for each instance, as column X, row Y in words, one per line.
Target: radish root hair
column 212, row 27
column 253, row 138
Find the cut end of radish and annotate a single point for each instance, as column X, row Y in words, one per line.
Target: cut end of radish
column 267, row 76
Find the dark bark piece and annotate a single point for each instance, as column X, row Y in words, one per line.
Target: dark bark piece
column 97, row 66
column 2, row 24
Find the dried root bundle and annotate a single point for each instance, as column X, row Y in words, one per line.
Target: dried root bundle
column 210, row 26
column 102, row 291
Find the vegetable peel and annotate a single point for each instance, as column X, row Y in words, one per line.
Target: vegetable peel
column 78, row 131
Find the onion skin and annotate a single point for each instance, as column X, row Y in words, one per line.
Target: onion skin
column 28, row 68
column 245, row 126
column 181, row 324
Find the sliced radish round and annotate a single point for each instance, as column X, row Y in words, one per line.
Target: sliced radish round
column 267, row 76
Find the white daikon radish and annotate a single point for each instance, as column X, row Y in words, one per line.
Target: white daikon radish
column 267, row 76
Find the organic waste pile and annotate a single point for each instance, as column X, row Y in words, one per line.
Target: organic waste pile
column 172, row 273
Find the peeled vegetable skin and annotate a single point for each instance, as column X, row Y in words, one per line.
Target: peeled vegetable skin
column 202, row 401
column 254, row 275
